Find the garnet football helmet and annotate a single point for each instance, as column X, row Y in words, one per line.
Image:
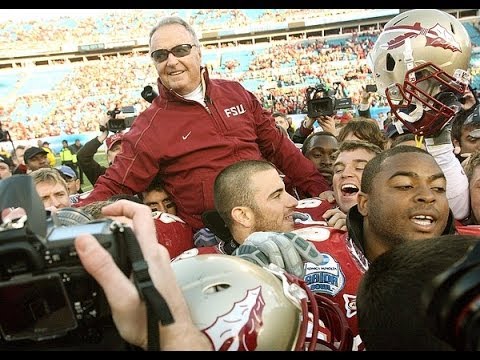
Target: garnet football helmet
column 419, row 63
column 242, row 306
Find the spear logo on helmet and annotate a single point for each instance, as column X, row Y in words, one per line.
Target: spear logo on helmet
column 436, row 36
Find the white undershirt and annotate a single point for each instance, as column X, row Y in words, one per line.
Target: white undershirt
column 196, row 95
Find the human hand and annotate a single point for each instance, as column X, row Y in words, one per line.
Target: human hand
column 103, row 128
column 440, row 138
column 286, row 250
column 53, row 209
column 365, row 96
column 336, row 218
column 327, row 123
column 327, row 195
column 466, row 159
column 308, row 122
column 128, row 309
column 102, row 122
column 469, row 100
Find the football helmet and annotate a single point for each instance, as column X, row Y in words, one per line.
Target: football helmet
column 419, row 62
column 241, row 306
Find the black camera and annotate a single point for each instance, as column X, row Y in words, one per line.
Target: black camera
column 121, row 119
column 324, row 102
column 45, row 292
column 371, row 88
column 4, row 135
column 452, row 303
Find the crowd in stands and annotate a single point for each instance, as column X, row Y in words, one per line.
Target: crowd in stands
column 283, row 71
column 132, row 24
column 278, row 73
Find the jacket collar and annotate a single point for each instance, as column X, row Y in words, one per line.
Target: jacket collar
column 169, row 94
column 355, row 227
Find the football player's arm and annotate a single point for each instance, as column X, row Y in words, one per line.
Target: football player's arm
column 458, row 195
column 128, row 310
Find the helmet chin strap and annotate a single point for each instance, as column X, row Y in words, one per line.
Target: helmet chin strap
column 418, row 141
column 408, row 60
column 414, row 116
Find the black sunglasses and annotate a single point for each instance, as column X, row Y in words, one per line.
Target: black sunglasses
column 178, row 51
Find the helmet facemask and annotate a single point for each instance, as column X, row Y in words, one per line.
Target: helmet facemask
column 419, row 54
column 428, row 99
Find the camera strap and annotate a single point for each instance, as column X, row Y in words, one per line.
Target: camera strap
column 157, row 307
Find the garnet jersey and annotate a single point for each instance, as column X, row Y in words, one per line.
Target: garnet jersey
column 173, row 233
column 468, row 229
column 343, row 263
column 340, row 272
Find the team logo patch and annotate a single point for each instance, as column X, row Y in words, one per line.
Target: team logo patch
column 326, row 278
column 436, row 36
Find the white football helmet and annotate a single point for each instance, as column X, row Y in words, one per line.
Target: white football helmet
column 242, row 306
column 419, row 62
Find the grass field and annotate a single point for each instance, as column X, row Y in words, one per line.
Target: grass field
column 100, row 157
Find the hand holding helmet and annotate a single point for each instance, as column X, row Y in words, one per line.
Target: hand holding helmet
column 419, row 63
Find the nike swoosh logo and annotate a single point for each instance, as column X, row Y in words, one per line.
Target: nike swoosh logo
column 184, row 137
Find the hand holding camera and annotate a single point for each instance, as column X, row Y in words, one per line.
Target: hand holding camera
column 322, row 101
column 127, row 307
column 42, row 269
column 120, row 119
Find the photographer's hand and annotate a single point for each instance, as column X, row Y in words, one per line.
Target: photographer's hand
column 469, row 100
column 327, row 123
column 128, row 310
column 103, row 128
column 308, row 123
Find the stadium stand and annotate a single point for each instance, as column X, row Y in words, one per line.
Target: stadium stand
column 65, row 73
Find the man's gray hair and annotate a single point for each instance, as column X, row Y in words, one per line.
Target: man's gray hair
column 174, row 20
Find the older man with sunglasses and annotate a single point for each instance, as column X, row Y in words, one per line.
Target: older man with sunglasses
column 195, row 128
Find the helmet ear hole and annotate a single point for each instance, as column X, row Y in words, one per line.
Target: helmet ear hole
column 390, row 62
column 216, row 288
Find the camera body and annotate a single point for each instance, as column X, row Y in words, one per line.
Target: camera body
column 121, row 119
column 324, row 102
column 44, row 288
column 451, row 302
column 4, row 136
column 371, row 88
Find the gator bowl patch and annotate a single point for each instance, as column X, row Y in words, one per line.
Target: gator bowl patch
column 326, row 278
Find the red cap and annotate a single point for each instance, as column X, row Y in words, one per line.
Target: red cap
column 345, row 117
column 112, row 140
